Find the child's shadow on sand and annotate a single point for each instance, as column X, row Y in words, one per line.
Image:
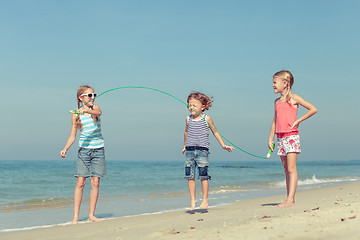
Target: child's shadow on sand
column 270, row 204
column 197, row 211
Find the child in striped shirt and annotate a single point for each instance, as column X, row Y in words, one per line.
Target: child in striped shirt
column 196, row 145
column 91, row 154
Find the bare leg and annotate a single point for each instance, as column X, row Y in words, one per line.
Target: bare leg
column 192, row 192
column 94, row 193
column 78, row 193
column 292, row 179
column 205, row 192
column 287, row 178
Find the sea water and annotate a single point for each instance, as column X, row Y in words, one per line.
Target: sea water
column 38, row 194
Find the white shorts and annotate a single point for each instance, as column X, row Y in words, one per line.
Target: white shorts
column 289, row 144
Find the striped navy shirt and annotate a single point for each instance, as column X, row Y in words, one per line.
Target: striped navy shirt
column 90, row 134
column 198, row 132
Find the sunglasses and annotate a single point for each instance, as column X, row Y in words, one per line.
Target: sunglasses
column 90, row 95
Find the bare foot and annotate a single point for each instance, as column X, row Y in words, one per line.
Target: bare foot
column 286, row 204
column 204, row 204
column 193, row 204
column 74, row 221
column 95, row 219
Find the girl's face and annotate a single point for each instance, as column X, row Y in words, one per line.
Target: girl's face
column 279, row 85
column 196, row 105
column 87, row 96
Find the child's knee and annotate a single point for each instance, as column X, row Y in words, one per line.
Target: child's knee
column 80, row 183
column 292, row 171
column 95, row 182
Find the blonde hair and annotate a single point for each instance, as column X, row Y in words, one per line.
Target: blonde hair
column 80, row 91
column 289, row 78
column 205, row 100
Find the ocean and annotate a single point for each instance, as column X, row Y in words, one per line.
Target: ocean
column 39, row 194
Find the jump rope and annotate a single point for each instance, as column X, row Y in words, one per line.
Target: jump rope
column 172, row 96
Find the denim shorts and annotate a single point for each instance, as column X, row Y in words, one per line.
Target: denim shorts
column 91, row 163
column 197, row 158
column 289, row 144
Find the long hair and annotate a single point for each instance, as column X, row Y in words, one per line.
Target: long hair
column 205, row 100
column 80, row 91
column 289, row 78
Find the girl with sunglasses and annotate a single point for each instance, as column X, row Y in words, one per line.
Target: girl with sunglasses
column 91, row 154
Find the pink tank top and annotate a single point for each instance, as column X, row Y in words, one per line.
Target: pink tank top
column 285, row 118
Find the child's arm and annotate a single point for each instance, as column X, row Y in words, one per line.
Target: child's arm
column 217, row 135
column 272, row 134
column 311, row 109
column 94, row 111
column 72, row 137
column 272, row 129
column 185, row 135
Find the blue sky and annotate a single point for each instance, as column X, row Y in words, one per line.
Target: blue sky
column 226, row 49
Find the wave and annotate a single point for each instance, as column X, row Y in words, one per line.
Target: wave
column 215, row 190
column 228, row 166
column 314, row 181
column 34, row 204
column 227, row 189
column 161, row 195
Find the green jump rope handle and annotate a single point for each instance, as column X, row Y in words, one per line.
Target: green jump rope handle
column 74, row 112
column 270, row 151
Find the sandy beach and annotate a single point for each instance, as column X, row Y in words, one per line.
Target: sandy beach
column 322, row 213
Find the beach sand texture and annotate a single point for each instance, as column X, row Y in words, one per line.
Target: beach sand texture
column 322, row 213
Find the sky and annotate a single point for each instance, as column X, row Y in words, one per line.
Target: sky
column 226, row 49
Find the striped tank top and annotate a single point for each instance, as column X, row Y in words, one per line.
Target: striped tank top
column 90, row 134
column 198, row 132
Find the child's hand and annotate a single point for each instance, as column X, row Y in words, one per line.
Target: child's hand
column 295, row 125
column 63, row 153
column 81, row 111
column 270, row 145
column 228, row 148
column 183, row 151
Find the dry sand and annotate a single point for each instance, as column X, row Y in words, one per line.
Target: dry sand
column 323, row 213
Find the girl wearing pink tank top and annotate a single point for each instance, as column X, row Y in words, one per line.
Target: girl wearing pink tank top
column 285, row 125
